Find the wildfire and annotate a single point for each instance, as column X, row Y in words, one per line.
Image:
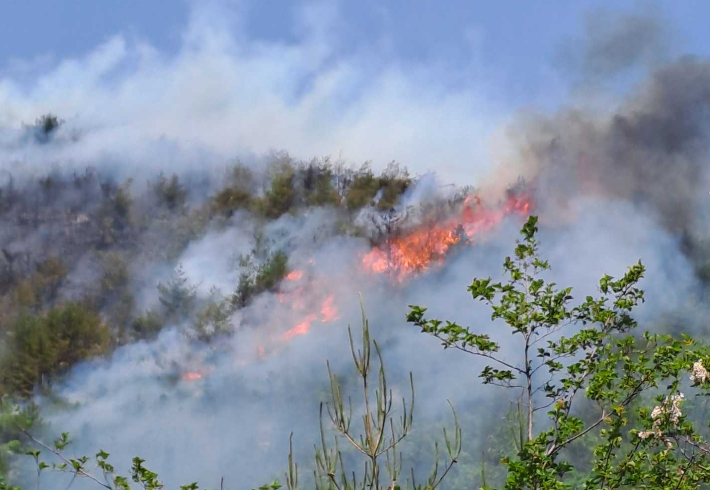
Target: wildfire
column 401, row 256
column 303, row 291
column 328, row 313
column 302, row 328
column 295, row 275
column 417, row 250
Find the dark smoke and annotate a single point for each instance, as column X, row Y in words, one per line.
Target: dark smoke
column 652, row 150
column 614, row 44
column 612, row 185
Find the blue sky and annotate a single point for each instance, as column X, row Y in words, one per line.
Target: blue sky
column 320, row 77
column 508, row 37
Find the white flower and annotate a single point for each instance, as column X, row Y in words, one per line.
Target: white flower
column 657, row 411
column 699, row 374
column 670, row 407
column 674, row 411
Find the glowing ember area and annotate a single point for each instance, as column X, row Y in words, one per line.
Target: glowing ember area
column 401, row 256
column 294, row 275
column 302, row 328
column 417, row 250
column 191, row 376
column 328, row 313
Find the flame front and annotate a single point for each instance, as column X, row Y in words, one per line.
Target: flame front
column 294, row 275
column 418, row 250
column 401, row 256
column 303, row 291
column 191, row 376
column 302, row 328
column 328, row 313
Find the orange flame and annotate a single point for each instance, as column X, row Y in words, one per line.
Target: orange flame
column 302, row 328
column 191, row 376
column 417, row 250
column 328, row 313
column 294, row 275
column 404, row 255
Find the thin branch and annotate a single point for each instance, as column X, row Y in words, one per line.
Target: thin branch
column 623, row 470
column 556, row 447
column 70, row 483
column 443, row 475
column 543, row 407
column 682, row 476
column 552, row 331
column 58, row 454
column 552, row 359
column 479, row 353
column 696, row 445
column 503, row 384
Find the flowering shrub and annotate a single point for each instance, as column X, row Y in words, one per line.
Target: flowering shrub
column 602, row 358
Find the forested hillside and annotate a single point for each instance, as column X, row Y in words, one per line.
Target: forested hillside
column 501, row 281
column 74, row 248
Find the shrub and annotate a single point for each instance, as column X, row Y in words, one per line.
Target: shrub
column 115, row 273
column 618, row 441
column 318, row 185
column 271, row 272
column 245, row 290
column 45, row 126
column 228, row 200
column 170, row 193
column 177, row 296
column 237, row 194
column 393, row 182
column 147, row 325
column 280, row 196
column 365, row 186
column 259, row 279
column 38, row 347
column 43, row 285
column 212, row 320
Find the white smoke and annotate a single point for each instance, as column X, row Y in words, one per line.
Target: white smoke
column 223, row 95
column 130, row 107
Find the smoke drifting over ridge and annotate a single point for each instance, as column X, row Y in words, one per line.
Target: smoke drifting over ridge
column 611, row 186
column 223, row 95
column 651, row 146
column 653, row 149
column 235, row 419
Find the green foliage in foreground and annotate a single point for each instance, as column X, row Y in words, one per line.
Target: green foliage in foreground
column 587, row 384
column 600, row 364
column 379, row 442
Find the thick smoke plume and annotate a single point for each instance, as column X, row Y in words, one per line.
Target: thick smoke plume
column 651, row 148
column 611, row 185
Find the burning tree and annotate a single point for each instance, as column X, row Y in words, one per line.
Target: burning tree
column 404, row 253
